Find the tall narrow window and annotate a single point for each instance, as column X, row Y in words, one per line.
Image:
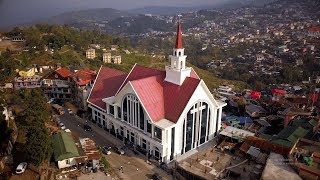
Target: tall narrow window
column 111, row 109
column 149, row 127
column 141, row 118
column 124, row 109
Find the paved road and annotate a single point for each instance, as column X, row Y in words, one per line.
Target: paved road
column 134, row 166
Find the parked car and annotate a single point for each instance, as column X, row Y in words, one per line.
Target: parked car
column 62, row 126
column 70, row 111
column 21, row 168
column 52, row 100
column 106, row 150
column 119, row 150
column 87, row 127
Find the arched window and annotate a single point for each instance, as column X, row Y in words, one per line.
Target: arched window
column 132, row 111
column 196, row 126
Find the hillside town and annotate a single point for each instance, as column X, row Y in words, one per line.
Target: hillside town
column 94, row 114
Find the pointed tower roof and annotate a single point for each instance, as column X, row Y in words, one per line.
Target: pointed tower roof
column 179, row 37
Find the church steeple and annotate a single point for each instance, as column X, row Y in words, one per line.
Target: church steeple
column 179, row 37
column 177, row 71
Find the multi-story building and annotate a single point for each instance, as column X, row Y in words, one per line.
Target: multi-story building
column 91, row 53
column 81, row 86
column 106, row 57
column 57, row 84
column 116, row 59
column 27, row 82
column 165, row 114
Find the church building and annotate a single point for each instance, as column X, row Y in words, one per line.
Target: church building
column 164, row 114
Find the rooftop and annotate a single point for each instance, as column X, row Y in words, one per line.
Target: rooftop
column 64, row 146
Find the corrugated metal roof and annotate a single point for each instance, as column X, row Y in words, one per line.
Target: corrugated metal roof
column 106, row 84
column 160, row 99
column 64, row 146
column 64, row 72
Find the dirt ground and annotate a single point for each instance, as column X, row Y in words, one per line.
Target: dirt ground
column 4, row 44
column 27, row 175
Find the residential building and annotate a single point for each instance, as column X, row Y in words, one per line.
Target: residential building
column 106, row 57
column 277, row 169
column 114, row 47
column 305, row 157
column 27, row 82
column 81, row 86
column 69, row 150
column 56, row 84
column 116, row 59
column 165, row 114
column 91, row 53
column 65, row 150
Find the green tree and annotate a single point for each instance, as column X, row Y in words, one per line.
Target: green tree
column 38, row 145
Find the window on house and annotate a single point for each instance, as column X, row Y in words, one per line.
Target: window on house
column 157, row 133
column 119, row 112
column 144, row 144
column 111, row 109
column 148, row 127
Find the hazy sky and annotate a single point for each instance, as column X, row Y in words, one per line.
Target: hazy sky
column 21, row 11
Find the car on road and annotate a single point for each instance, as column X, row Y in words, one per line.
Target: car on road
column 87, row 127
column 52, row 100
column 21, row 168
column 106, row 150
column 62, row 126
column 119, row 150
column 70, row 111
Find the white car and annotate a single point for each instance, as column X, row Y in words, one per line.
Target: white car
column 62, row 126
column 21, row 168
column 70, row 111
column 51, row 101
column 106, row 150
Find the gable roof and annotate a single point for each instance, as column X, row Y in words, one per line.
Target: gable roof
column 64, row 146
column 140, row 72
column 83, row 76
column 107, row 82
column 64, row 72
column 160, row 99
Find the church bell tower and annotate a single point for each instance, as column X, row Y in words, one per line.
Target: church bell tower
column 177, row 71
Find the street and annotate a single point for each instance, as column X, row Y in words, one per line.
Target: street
column 134, row 166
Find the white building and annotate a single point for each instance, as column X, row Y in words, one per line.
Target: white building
column 165, row 114
column 106, row 57
column 91, row 53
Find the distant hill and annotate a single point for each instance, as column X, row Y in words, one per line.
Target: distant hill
column 101, row 14
column 162, row 10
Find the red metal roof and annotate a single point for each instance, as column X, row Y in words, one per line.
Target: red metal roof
column 176, row 97
column 83, row 77
column 160, row 99
column 64, row 72
column 163, row 99
column 279, row 91
column 179, row 37
column 255, row 94
column 150, row 92
column 106, row 85
column 314, row 29
column 140, row 72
